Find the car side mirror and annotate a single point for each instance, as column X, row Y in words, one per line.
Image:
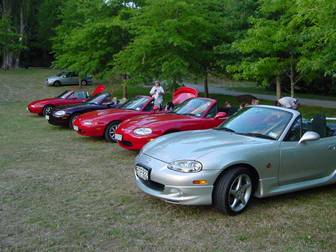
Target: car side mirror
column 309, row 136
column 221, row 115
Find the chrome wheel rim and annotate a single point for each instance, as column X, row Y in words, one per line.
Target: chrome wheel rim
column 47, row 110
column 240, row 192
column 112, row 130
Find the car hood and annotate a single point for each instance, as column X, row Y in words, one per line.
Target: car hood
column 53, row 77
column 192, row 145
column 76, row 107
column 44, row 101
column 104, row 114
column 157, row 120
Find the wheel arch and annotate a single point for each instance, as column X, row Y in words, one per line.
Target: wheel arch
column 113, row 121
column 254, row 172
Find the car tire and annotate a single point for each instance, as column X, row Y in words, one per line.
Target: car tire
column 72, row 119
column 84, row 82
column 110, row 131
column 47, row 109
column 57, row 83
column 233, row 191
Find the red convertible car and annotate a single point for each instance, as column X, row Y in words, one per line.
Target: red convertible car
column 192, row 114
column 104, row 123
column 43, row 107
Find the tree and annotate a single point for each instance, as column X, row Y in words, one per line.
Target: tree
column 90, row 34
column 10, row 43
column 174, row 39
column 272, row 45
column 319, row 36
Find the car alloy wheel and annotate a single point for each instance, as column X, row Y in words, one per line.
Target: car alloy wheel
column 46, row 110
column 57, row 83
column 240, row 192
column 233, row 190
column 110, row 132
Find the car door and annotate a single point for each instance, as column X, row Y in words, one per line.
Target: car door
column 66, row 79
column 305, row 161
column 209, row 120
column 73, row 78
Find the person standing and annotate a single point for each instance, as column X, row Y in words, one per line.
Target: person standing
column 157, row 93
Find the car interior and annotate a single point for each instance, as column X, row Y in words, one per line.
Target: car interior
column 80, row 94
column 318, row 124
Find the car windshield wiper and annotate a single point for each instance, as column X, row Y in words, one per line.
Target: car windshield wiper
column 225, row 129
column 257, row 135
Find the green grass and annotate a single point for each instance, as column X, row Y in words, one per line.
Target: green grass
column 60, row 191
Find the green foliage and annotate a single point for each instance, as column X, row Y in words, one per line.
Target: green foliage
column 10, row 40
column 272, row 44
column 174, row 39
column 90, row 34
column 319, row 36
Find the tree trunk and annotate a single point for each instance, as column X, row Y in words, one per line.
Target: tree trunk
column 291, row 77
column 206, row 88
column 7, row 62
column 125, row 91
column 21, row 31
column 278, row 87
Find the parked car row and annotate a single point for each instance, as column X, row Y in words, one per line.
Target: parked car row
column 197, row 155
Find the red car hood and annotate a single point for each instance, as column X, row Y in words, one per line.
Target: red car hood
column 106, row 114
column 155, row 120
column 46, row 101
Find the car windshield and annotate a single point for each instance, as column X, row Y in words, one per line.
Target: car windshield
column 136, row 104
column 65, row 94
column 61, row 73
column 268, row 123
column 194, row 107
column 98, row 99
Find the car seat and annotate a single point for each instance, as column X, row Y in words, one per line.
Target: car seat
column 319, row 125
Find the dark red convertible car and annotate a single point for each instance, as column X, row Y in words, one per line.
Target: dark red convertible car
column 44, row 106
column 104, row 123
column 192, row 114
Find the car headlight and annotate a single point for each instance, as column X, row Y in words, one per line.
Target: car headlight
column 186, row 166
column 60, row 113
column 87, row 123
column 143, row 131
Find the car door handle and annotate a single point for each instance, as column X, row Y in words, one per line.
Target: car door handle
column 332, row 147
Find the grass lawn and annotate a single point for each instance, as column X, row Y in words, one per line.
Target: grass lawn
column 60, row 191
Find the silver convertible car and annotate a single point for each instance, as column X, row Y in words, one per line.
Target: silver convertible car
column 260, row 151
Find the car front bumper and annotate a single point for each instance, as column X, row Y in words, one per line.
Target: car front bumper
column 92, row 131
column 132, row 142
column 49, row 82
column 34, row 109
column 175, row 187
column 59, row 121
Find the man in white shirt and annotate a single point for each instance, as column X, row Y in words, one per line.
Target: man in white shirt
column 157, row 93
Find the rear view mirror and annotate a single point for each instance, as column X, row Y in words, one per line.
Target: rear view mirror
column 220, row 115
column 309, row 136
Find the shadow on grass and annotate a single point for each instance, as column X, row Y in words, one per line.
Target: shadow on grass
column 291, row 199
